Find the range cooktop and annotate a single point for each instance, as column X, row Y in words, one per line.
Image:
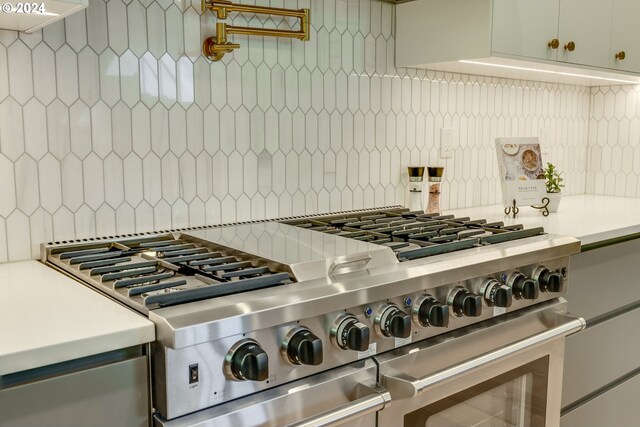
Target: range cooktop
column 164, row 269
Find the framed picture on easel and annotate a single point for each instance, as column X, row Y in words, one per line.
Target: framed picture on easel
column 521, row 171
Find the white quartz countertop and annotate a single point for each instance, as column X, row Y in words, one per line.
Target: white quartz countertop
column 592, row 219
column 47, row 317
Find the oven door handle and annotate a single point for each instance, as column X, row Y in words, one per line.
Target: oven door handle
column 404, row 386
column 372, row 402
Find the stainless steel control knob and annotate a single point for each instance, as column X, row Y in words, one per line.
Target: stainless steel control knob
column 427, row 311
column 523, row 287
column 393, row 322
column 496, row 294
column 350, row 334
column 464, row 303
column 550, row 281
column 247, row 361
column 301, row 347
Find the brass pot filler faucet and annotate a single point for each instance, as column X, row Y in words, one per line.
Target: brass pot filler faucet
column 214, row 48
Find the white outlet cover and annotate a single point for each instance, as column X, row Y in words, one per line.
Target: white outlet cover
column 446, row 143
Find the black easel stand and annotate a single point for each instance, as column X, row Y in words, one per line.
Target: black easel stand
column 514, row 209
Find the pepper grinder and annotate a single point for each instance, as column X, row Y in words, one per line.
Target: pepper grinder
column 415, row 188
column 434, row 178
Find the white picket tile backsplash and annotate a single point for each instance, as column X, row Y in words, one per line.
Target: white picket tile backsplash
column 112, row 122
column 614, row 142
column 7, row 189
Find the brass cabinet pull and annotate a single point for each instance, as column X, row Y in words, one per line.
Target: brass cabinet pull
column 554, row 43
column 571, row 46
column 621, row 55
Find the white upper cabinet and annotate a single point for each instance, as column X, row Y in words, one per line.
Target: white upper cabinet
column 625, row 36
column 525, row 28
column 29, row 16
column 570, row 41
column 586, row 24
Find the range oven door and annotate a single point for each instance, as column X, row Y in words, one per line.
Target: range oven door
column 346, row 396
column 503, row 372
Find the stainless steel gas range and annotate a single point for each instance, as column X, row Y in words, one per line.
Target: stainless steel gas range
column 359, row 318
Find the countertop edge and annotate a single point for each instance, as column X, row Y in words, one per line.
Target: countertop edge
column 38, row 357
column 610, row 237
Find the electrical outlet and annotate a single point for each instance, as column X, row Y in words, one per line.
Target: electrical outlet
column 446, row 143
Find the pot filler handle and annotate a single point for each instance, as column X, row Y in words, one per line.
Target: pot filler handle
column 349, row 263
column 375, row 401
column 406, row 386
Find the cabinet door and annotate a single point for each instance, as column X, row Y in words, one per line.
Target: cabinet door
column 625, row 35
column 525, row 28
column 586, row 23
column 616, row 407
column 111, row 395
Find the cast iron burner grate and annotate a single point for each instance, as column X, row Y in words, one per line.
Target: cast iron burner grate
column 162, row 271
column 414, row 234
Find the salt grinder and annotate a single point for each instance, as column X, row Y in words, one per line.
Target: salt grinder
column 434, row 178
column 415, row 188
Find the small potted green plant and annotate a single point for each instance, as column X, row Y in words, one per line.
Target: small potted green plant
column 554, row 184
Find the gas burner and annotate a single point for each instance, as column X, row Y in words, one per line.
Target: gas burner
column 162, row 271
column 414, row 234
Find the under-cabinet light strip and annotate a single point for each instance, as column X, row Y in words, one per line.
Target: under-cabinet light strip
column 561, row 73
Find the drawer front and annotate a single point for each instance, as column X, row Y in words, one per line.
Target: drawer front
column 604, row 279
column 600, row 355
column 348, row 396
column 111, row 395
column 616, row 407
